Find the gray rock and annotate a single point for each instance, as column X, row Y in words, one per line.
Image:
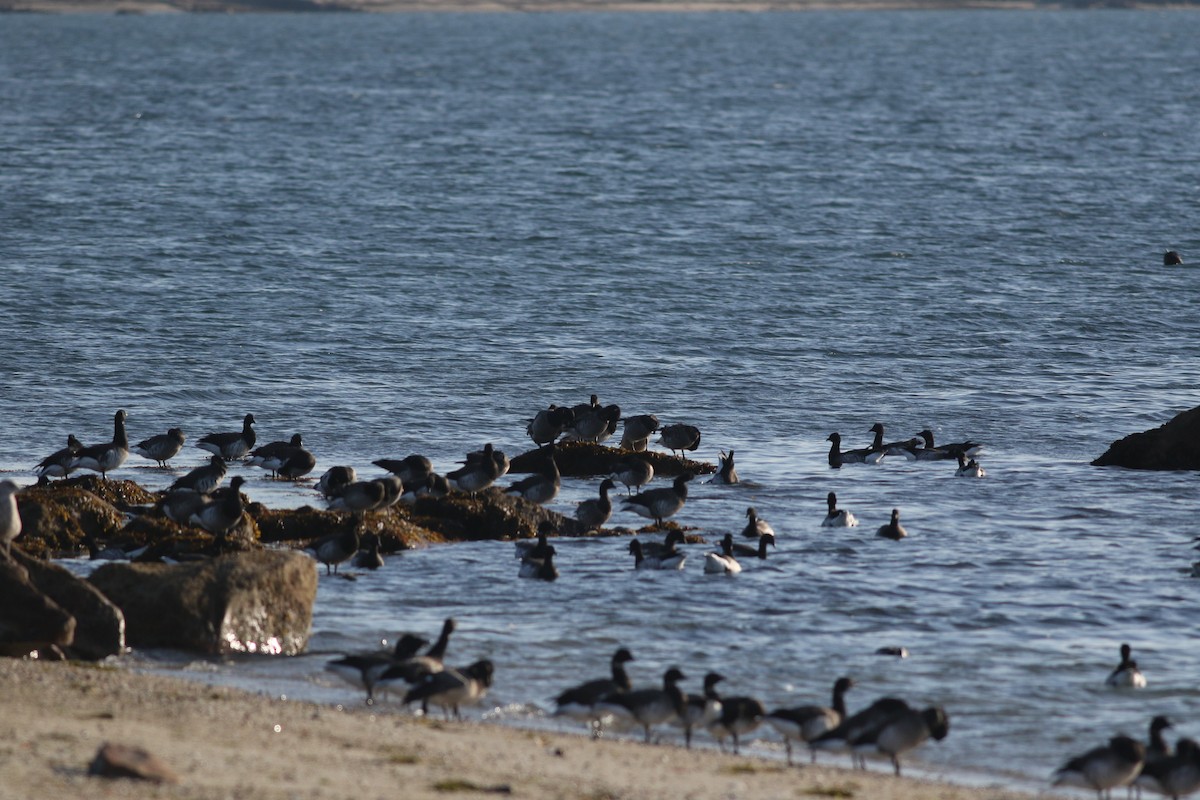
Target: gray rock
column 1173, row 446
column 257, row 602
column 29, row 620
column 100, row 625
column 125, row 761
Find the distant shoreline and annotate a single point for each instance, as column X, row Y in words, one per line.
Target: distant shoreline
column 547, row 6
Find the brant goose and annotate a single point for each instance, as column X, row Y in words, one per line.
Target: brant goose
column 739, row 716
column 722, row 563
column 835, row 518
column 334, row 480
column 221, row 514
column 478, row 473
column 755, row 525
column 658, row 504
column 837, row 456
column 10, row 517
column 878, row 449
column 295, row 463
column 806, row 723
column 540, row 487
column 412, row 470
column 666, row 559
column 535, row 548
column 637, row 432
column 368, row 555
column 580, row 409
column 595, row 512
column 549, row 424
column 893, row 530
column 754, row 551
column 1126, row 675
column 363, row 669
column 373, row 495
column 540, row 568
column 727, row 474
column 414, row 668
column 1171, row 258
column 700, row 712
column 452, row 688
column 902, row 732
column 595, row 425
column 1103, row 768
column 104, row 458
column 202, row 479
column 969, row 469
column 579, row 702
column 946, row 451
column 679, row 438
column 269, row 456
column 634, row 472
column 161, row 448
column 841, row 738
column 334, row 548
column 60, row 463
column 1176, row 775
column 178, row 505
column 666, row 546
column 233, row 445
column 648, row 707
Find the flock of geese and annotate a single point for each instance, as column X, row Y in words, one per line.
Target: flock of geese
column 888, row 727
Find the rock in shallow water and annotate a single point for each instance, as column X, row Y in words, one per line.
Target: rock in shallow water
column 1173, row 446
column 256, row 602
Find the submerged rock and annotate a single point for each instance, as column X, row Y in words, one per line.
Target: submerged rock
column 1173, row 446
column 586, row 459
column 256, row 602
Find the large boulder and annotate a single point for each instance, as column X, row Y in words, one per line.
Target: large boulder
column 99, row 625
column 1175, row 445
column 588, row 459
column 254, row 602
column 29, row 620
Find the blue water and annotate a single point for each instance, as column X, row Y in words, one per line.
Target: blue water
column 409, row 233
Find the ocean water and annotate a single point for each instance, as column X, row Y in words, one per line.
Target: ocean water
column 409, row 233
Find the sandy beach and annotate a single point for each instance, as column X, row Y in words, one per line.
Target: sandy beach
column 225, row 743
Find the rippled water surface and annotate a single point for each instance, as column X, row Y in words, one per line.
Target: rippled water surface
column 409, row 233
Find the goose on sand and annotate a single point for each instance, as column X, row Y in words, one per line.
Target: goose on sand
column 232, row 445
column 453, row 688
column 835, row 518
column 363, row 669
column 648, row 707
column 1102, row 769
column 1176, row 775
column 60, row 463
column 658, row 504
column 702, row 711
column 841, row 738
column 161, row 448
column 739, row 716
column 413, row 669
column 902, row 732
column 806, row 723
column 106, row 457
column 579, row 702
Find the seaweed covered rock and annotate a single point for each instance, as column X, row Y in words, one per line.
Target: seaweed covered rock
column 489, row 514
column 394, row 526
column 99, row 625
column 1173, row 446
column 59, row 517
column 585, row 459
column 256, row 602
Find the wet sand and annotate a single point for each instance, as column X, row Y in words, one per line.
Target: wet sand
column 229, row 744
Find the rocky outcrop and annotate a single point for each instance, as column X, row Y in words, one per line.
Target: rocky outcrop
column 1173, row 446
column 587, row 459
column 255, row 602
column 29, row 620
column 57, row 518
column 99, row 625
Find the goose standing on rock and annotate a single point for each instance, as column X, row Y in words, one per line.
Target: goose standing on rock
column 104, row 458
column 334, row 480
column 893, row 530
column 835, row 518
column 648, row 707
column 969, row 469
column 595, row 512
column 232, row 445
column 637, row 432
column 295, row 463
column 412, row 470
column 726, row 474
column 679, row 438
column 579, row 702
column 595, row 425
column 10, row 516
column 670, row 559
column 204, row 479
column 756, row 526
column 477, row 474
column 722, row 562
column 540, row 487
column 806, row 723
column 634, row 472
column 1104, row 768
column 161, row 448
column 549, row 424
column 219, row 516
column 1126, row 675
column 60, row 463
column 658, row 504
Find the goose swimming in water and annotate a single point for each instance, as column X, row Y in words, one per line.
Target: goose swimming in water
column 658, row 504
column 969, row 469
column 1126, row 675
column 232, row 445
column 648, row 707
column 161, row 448
column 579, row 702
column 60, row 463
column 806, row 723
column 722, row 562
column 1104, row 768
column 838, row 457
column 637, row 432
column 756, row 526
column 1171, row 258
column 669, row 559
column 893, row 530
column 106, row 457
column 835, row 518
column 541, row 568
column 726, row 474
column 930, row 452
column 368, row 555
column 755, row 551
column 595, row 512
